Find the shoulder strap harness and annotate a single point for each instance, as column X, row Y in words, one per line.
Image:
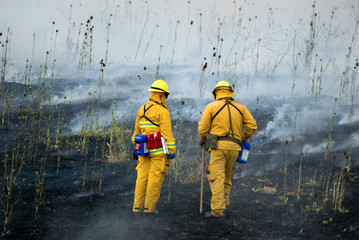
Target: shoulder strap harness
column 227, row 138
column 144, row 115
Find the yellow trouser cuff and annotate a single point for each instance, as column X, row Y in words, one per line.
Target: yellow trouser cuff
column 217, row 213
column 137, row 210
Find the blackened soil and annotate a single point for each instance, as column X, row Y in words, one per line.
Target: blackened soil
column 264, row 203
column 70, row 211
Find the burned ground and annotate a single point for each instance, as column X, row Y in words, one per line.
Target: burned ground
column 264, row 200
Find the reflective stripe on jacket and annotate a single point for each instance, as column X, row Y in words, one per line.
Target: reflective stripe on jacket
column 146, row 124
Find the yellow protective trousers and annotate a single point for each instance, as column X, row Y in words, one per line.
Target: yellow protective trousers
column 150, row 174
column 220, row 171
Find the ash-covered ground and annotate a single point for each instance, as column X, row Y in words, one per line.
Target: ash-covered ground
column 291, row 143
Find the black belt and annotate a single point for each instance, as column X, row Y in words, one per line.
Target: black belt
column 230, row 139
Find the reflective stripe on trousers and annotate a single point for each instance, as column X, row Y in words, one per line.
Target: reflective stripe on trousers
column 156, row 151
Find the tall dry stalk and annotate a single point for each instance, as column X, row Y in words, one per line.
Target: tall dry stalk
column 140, row 41
column 285, row 169
column 149, row 41
column 312, row 91
column 300, row 175
column 339, row 190
column 327, row 146
column 200, row 34
column 68, row 39
column 328, row 180
column 102, row 163
column 39, row 190
column 158, row 65
column 340, row 183
column 108, row 37
column 174, row 43
column 201, row 81
column 345, row 81
column 4, row 111
column 295, row 67
column 86, row 48
column 59, row 135
column 295, row 123
column 85, row 167
column 353, row 90
column 187, row 42
column 5, row 48
column 7, row 187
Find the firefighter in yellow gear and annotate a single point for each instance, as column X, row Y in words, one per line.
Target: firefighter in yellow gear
column 224, row 118
column 153, row 117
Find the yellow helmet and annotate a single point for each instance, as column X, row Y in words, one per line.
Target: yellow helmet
column 159, row 86
column 222, row 85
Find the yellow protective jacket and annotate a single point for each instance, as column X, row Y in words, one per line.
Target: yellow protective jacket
column 220, row 125
column 157, row 113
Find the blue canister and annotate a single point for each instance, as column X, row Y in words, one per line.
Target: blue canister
column 141, row 145
column 243, row 154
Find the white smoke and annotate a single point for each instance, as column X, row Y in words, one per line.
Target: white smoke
column 294, row 120
column 349, row 118
column 257, row 43
column 87, row 119
column 350, row 142
column 253, row 46
column 318, row 148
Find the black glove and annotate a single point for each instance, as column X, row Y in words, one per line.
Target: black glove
column 135, row 157
column 201, row 143
column 171, row 156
